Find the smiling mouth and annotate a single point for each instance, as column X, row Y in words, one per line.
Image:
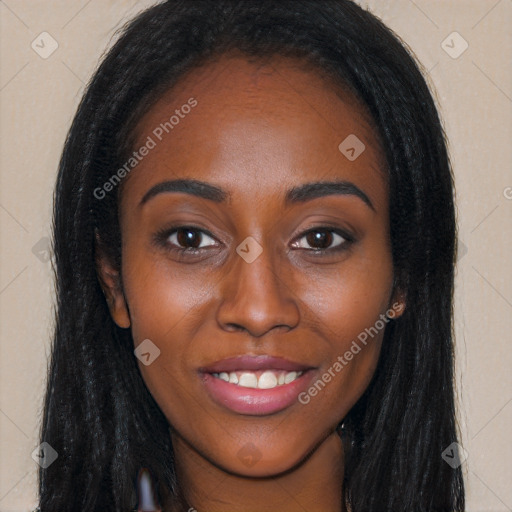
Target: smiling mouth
column 255, row 385
column 260, row 379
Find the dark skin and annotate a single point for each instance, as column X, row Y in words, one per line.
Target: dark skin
column 258, row 130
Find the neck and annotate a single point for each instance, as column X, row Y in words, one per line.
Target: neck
column 315, row 485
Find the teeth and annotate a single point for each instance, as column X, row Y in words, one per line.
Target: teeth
column 262, row 379
column 267, row 380
column 248, row 380
column 289, row 377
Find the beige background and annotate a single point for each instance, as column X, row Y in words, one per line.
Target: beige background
column 38, row 100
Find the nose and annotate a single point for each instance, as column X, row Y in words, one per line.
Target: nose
column 256, row 297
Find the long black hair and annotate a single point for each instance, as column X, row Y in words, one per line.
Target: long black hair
column 98, row 414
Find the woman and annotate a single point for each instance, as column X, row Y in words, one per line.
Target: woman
column 254, row 235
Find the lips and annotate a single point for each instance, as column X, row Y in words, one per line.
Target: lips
column 254, row 363
column 255, row 385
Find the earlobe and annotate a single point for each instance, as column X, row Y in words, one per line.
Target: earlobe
column 118, row 308
column 397, row 305
column 110, row 282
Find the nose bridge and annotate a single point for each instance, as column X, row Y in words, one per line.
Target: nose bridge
column 255, row 296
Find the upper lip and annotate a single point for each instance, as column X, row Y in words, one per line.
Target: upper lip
column 261, row 362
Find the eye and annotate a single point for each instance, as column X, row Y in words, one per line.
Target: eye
column 185, row 239
column 320, row 240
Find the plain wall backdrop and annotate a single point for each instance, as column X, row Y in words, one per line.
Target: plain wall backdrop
column 49, row 50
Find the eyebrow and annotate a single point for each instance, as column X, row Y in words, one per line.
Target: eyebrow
column 299, row 194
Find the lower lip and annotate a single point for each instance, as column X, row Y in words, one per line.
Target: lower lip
column 253, row 401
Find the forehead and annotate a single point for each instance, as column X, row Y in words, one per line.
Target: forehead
column 257, row 127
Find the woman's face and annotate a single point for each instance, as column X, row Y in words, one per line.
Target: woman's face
column 253, row 272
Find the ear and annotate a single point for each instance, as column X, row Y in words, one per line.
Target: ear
column 397, row 304
column 110, row 281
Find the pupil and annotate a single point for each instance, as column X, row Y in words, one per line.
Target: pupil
column 188, row 237
column 322, row 237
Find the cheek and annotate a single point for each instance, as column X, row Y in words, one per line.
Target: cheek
column 347, row 309
column 164, row 306
column 159, row 296
column 344, row 302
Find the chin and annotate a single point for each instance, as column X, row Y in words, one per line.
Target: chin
column 249, row 461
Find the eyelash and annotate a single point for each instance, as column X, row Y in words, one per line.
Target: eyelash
column 162, row 239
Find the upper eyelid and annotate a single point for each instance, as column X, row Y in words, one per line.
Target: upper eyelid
column 328, row 229
column 192, row 228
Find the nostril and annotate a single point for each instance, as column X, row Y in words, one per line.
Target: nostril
column 235, row 327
